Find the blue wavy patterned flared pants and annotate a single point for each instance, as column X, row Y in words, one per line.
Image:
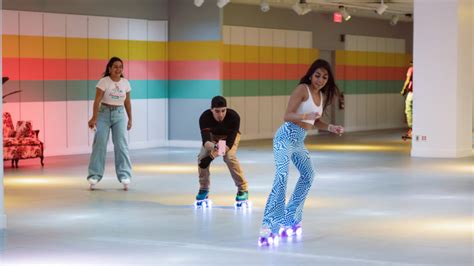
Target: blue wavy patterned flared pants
column 288, row 143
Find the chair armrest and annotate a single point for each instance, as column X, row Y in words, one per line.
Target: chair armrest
column 36, row 132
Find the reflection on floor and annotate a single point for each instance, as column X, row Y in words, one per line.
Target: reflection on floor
column 370, row 204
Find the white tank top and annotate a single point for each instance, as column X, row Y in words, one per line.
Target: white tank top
column 309, row 106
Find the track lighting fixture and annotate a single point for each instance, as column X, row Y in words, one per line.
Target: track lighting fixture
column 345, row 15
column 198, row 3
column 381, row 8
column 301, row 7
column 222, row 3
column 264, row 6
column 394, row 20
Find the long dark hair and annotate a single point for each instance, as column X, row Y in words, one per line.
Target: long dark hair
column 330, row 90
column 109, row 65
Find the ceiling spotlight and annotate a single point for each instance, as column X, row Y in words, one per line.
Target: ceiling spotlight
column 198, row 3
column 264, row 6
column 381, row 8
column 394, row 20
column 345, row 15
column 301, row 8
column 222, row 3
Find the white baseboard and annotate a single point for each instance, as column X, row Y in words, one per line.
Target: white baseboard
column 3, row 221
column 146, row 145
column 88, row 150
column 185, row 143
column 440, row 153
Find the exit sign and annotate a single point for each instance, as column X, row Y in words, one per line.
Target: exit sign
column 337, row 17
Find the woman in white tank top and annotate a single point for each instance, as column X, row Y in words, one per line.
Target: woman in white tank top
column 306, row 104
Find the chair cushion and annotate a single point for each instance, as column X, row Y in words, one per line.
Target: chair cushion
column 24, row 129
column 8, row 129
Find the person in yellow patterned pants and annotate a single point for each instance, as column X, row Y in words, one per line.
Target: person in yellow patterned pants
column 408, row 91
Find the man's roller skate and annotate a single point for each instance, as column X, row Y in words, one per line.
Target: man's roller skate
column 291, row 231
column 202, row 199
column 267, row 238
column 407, row 135
column 242, row 200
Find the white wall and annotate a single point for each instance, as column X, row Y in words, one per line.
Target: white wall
column 63, row 123
column 444, row 82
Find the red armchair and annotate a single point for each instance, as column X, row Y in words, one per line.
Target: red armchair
column 22, row 143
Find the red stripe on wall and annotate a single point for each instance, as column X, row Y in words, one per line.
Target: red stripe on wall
column 31, row 69
column 194, row 70
column 370, row 73
column 11, row 68
column 157, row 70
column 78, row 69
column 55, row 69
column 256, row 71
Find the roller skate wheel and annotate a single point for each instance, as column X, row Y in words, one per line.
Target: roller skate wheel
column 299, row 231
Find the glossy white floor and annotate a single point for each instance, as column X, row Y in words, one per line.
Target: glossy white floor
column 370, row 204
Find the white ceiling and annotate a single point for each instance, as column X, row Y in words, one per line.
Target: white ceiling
column 357, row 8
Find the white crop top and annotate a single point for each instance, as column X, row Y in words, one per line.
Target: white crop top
column 309, row 106
column 114, row 91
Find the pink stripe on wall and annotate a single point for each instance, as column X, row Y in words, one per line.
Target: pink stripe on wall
column 194, row 70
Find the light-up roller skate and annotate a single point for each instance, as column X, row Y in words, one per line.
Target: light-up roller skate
column 291, row 231
column 242, row 200
column 202, row 200
column 267, row 238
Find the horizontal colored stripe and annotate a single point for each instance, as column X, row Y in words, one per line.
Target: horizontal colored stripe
column 258, row 87
column 370, row 73
column 252, row 71
column 196, row 51
column 22, row 46
column 243, row 88
column 77, row 90
column 370, row 86
column 78, row 69
column 377, row 59
column 194, row 89
column 194, row 70
column 265, row 54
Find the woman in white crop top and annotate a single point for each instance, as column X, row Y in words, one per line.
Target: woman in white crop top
column 112, row 100
column 305, row 107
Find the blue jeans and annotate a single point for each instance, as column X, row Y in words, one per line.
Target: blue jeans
column 288, row 144
column 110, row 118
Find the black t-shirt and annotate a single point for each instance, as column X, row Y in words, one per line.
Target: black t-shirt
column 228, row 127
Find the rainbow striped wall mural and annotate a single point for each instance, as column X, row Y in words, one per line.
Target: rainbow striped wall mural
column 371, row 72
column 56, row 61
column 261, row 67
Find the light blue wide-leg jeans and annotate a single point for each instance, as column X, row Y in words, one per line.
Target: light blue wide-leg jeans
column 110, row 118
